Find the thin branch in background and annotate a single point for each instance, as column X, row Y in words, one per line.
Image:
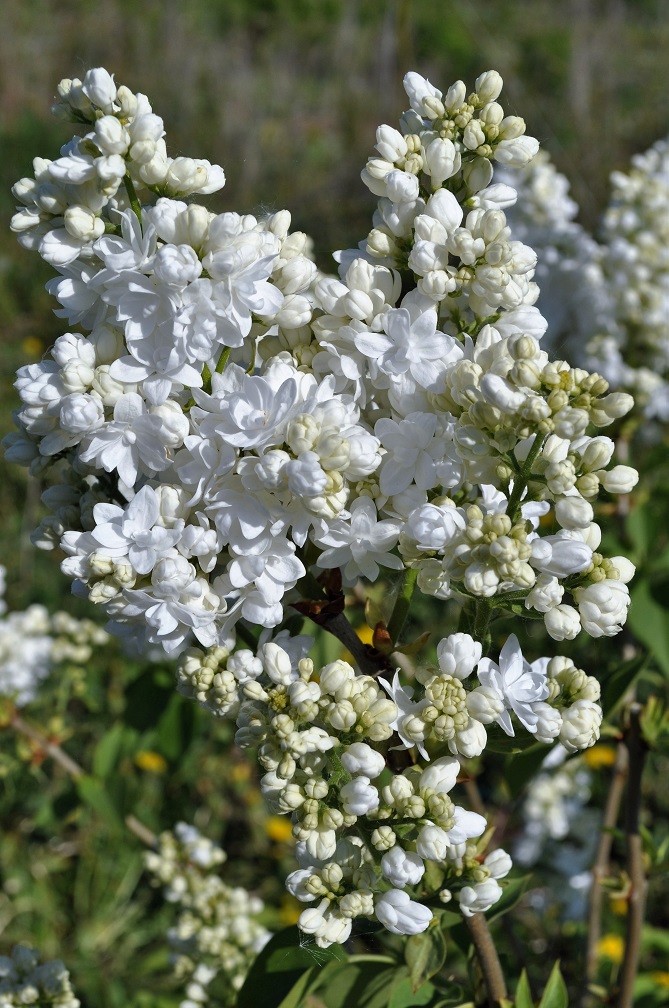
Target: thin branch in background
column 75, row 770
column 488, row 959
column 636, row 899
column 476, row 802
column 48, row 747
column 600, row 869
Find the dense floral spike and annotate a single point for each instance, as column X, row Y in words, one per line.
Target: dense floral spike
column 633, row 350
column 33, row 641
column 217, row 933
column 195, row 471
column 232, row 423
column 606, row 301
column 24, row 980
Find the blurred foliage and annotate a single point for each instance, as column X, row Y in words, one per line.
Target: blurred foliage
column 286, row 94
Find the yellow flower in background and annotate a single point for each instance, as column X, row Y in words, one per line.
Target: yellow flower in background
column 661, row 978
column 151, row 761
column 599, row 756
column 32, row 346
column 241, row 773
column 365, row 633
column 619, row 906
column 278, row 829
column 290, row 910
column 611, row 946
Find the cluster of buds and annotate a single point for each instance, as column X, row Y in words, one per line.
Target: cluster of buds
column 325, row 740
column 217, row 930
column 26, row 981
column 33, row 641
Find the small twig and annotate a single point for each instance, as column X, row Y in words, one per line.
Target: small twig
column 51, row 749
column 141, row 831
column 636, row 899
column 132, row 196
column 75, row 771
column 339, row 627
column 402, row 603
column 488, row 959
column 474, row 796
column 600, row 868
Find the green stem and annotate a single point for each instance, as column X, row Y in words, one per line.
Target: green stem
column 482, row 614
column 636, row 749
column 402, row 603
column 488, row 959
column 520, row 483
column 246, row 635
column 132, row 196
column 223, row 360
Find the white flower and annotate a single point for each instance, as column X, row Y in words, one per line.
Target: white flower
column 580, row 725
column 515, row 682
column 498, row 863
column 135, row 532
column 441, row 775
column 480, row 897
column 407, row 345
column 560, row 555
column 133, row 439
column 400, row 914
column 361, row 545
column 359, row 758
column 359, row 797
column 603, row 607
column 562, row 622
column 458, row 655
column 408, row 724
column 433, row 843
column 402, row 868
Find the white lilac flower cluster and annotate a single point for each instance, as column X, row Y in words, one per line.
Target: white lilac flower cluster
column 33, row 641
column 26, row 981
column 365, row 836
column 231, row 418
column 574, row 297
column 633, row 351
column 217, row 932
column 606, row 300
column 554, row 799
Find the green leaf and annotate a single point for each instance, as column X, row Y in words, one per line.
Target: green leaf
column 643, row 527
column 405, row 995
column 93, row 794
column 448, row 918
column 650, row 623
column 280, row 966
column 521, row 767
column 555, row 995
column 500, row 742
column 298, row 991
column 523, row 993
column 424, row 955
column 616, row 685
column 107, row 751
column 364, row 984
column 175, row 727
column 513, row 891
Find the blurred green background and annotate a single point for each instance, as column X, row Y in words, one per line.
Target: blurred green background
column 286, row 95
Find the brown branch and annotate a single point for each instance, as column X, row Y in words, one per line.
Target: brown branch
column 600, row 868
column 75, row 771
column 48, row 747
column 370, row 661
column 488, row 959
column 141, row 831
column 636, row 899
